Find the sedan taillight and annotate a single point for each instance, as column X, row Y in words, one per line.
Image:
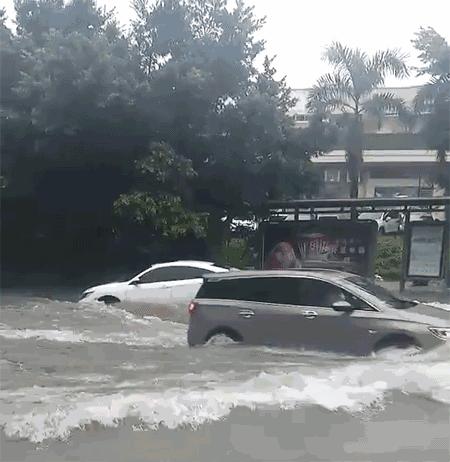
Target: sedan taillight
column 192, row 307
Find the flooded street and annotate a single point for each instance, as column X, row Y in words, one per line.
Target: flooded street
column 95, row 383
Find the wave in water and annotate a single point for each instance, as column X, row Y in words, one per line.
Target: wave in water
column 354, row 388
column 443, row 306
column 164, row 334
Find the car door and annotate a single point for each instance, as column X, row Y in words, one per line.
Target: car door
column 331, row 330
column 263, row 311
column 186, row 283
column 392, row 221
column 152, row 287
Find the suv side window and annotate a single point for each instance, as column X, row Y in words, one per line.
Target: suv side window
column 280, row 290
column 323, row 294
column 356, row 302
column 318, row 293
column 172, row 273
column 245, row 289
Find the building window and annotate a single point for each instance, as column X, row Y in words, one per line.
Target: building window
column 349, row 179
column 332, row 175
column 301, row 117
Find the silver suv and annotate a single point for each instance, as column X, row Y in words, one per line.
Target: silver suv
column 313, row 309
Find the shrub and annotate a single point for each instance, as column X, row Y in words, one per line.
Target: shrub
column 388, row 263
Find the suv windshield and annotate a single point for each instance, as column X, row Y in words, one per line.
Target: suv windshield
column 381, row 293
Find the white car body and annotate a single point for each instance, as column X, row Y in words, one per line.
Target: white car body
column 165, row 283
column 388, row 222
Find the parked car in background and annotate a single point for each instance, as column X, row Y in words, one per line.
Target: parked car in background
column 169, row 283
column 421, row 216
column 389, row 222
column 313, row 309
column 243, row 225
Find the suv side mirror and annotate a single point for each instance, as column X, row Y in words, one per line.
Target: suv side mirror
column 343, row 306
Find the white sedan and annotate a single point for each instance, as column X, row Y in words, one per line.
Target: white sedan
column 388, row 222
column 166, row 283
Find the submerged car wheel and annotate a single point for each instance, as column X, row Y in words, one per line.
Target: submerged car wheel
column 397, row 344
column 223, row 336
column 109, row 300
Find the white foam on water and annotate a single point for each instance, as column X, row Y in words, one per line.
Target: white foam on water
column 355, row 388
column 42, row 334
column 220, row 340
column 443, row 306
column 162, row 334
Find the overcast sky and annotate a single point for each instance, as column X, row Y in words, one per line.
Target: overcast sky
column 297, row 31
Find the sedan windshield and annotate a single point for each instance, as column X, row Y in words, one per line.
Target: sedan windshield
column 381, row 293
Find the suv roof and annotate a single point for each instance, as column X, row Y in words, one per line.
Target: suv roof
column 320, row 272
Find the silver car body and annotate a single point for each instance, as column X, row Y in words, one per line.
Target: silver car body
column 312, row 326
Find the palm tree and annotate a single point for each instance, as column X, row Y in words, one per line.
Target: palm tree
column 433, row 99
column 351, row 89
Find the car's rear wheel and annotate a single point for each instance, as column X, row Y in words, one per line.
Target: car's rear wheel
column 109, row 300
column 223, row 336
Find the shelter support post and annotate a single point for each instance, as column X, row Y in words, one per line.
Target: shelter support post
column 447, row 247
column 405, row 252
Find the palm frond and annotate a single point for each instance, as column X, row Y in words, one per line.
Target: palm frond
column 332, row 91
column 382, row 103
column 354, row 63
column 438, row 88
column 339, row 55
column 388, row 62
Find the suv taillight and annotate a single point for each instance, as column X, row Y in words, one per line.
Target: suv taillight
column 192, row 306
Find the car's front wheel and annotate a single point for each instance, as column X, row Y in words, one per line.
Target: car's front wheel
column 397, row 345
column 109, row 300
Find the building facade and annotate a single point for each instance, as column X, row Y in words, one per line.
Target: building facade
column 396, row 160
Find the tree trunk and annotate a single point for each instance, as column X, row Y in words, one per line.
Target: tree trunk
column 216, row 235
column 444, row 180
column 354, row 171
column 354, row 153
column 444, row 170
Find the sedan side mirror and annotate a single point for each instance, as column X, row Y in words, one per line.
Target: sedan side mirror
column 343, row 306
column 135, row 282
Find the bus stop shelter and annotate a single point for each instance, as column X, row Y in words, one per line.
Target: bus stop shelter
column 320, row 228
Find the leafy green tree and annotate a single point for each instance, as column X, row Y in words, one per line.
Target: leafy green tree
column 159, row 200
column 214, row 107
column 38, row 17
column 70, row 130
column 141, row 135
column 433, row 99
column 353, row 90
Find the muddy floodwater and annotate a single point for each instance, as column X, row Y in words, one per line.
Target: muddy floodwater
column 84, row 382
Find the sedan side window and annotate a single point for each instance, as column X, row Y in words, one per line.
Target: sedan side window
column 172, row 273
column 157, row 275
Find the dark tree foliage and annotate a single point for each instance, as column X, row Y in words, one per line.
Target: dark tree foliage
column 142, row 140
column 433, row 99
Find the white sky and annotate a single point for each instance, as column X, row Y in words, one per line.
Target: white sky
column 297, row 31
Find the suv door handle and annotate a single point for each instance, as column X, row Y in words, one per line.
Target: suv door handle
column 246, row 313
column 309, row 314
